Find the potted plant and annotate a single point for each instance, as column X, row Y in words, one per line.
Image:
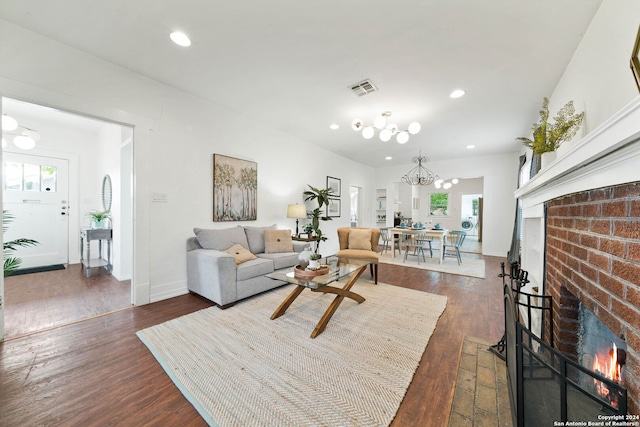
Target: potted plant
column 12, row 263
column 308, row 230
column 314, row 260
column 547, row 137
column 321, row 196
column 98, row 218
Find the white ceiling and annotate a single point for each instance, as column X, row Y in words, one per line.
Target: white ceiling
column 290, row 63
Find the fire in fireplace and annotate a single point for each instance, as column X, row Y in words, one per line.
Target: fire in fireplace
column 602, row 351
column 609, row 365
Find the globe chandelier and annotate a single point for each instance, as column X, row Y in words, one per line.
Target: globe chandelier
column 441, row 183
column 387, row 130
column 24, row 140
column 420, row 175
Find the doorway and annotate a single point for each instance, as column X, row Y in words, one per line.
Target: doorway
column 355, row 194
column 36, row 197
column 73, row 153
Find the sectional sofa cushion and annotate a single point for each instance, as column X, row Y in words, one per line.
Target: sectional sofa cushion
column 222, row 239
column 255, row 237
column 254, row 268
column 277, row 241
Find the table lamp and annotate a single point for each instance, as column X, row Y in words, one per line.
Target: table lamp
column 296, row 211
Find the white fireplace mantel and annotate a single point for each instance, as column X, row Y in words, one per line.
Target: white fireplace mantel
column 607, row 156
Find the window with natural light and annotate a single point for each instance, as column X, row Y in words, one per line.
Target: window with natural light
column 28, row 177
column 439, row 204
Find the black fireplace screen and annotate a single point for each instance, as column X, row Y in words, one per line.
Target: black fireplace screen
column 546, row 387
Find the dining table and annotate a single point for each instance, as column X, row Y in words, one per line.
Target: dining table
column 439, row 234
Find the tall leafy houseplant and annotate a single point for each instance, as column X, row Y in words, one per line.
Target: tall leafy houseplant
column 12, row 263
column 548, row 137
column 320, row 196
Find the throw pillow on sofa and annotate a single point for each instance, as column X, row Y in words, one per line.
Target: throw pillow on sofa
column 255, row 237
column 360, row 239
column 277, row 241
column 240, row 253
column 221, row 239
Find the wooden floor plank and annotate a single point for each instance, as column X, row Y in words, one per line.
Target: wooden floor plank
column 39, row 301
column 97, row 372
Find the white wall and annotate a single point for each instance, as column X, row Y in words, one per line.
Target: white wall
column 175, row 137
column 598, row 78
column 499, row 174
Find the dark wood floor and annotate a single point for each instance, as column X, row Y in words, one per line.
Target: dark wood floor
column 39, row 301
column 97, row 372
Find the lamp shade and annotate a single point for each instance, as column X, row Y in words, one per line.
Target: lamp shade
column 296, row 211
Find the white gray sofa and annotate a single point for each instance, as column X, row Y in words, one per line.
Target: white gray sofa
column 214, row 274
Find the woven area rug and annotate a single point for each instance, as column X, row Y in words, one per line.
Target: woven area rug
column 239, row 368
column 470, row 266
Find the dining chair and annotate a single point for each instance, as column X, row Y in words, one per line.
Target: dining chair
column 416, row 243
column 388, row 240
column 454, row 240
column 384, row 237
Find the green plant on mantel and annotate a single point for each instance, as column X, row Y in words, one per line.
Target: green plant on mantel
column 548, row 137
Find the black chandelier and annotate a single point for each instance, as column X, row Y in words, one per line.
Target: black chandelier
column 420, row 175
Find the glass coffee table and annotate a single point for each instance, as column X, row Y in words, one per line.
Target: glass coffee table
column 351, row 270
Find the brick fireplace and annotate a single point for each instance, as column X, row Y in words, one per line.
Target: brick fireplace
column 593, row 258
column 581, row 237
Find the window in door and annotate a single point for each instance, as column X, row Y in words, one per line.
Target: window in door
column 29, row 177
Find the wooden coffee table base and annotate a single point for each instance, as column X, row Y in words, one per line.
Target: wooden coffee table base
column 341, row 294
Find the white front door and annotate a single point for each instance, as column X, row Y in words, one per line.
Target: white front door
column 36, row 194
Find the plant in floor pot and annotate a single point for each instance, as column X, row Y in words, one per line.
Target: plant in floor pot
column 320, row 196
column 98, row 218
column 548, row 137
column 12, row 263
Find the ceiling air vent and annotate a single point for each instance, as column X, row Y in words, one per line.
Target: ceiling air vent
column 363, row 88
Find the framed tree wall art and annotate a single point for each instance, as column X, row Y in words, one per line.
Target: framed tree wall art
column 235, row 189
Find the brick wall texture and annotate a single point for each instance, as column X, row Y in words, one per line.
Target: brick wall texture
column 593, row 256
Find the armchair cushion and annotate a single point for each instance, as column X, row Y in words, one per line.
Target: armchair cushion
column 277, row 241
column 255, row 237
column 240, row 253
column 360, row 238
column 221, row 239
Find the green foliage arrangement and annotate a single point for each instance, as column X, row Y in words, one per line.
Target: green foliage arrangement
column 548, row 137
column 98, row 216
column 321, row 196
column 12, row 263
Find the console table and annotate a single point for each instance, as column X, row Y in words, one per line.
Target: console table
column 99, row 234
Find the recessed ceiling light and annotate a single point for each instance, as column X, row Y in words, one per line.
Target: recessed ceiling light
column 180, row 39
column 457, row 93
column 334, row 126
column 388, row 158
column 471, row 147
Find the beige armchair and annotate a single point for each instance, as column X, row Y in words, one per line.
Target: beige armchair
column 362, row 244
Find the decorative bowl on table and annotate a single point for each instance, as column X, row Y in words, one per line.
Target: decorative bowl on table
column 306, row 273
column 437, row 227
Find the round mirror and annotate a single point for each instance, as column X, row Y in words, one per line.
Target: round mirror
column 106, row 193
